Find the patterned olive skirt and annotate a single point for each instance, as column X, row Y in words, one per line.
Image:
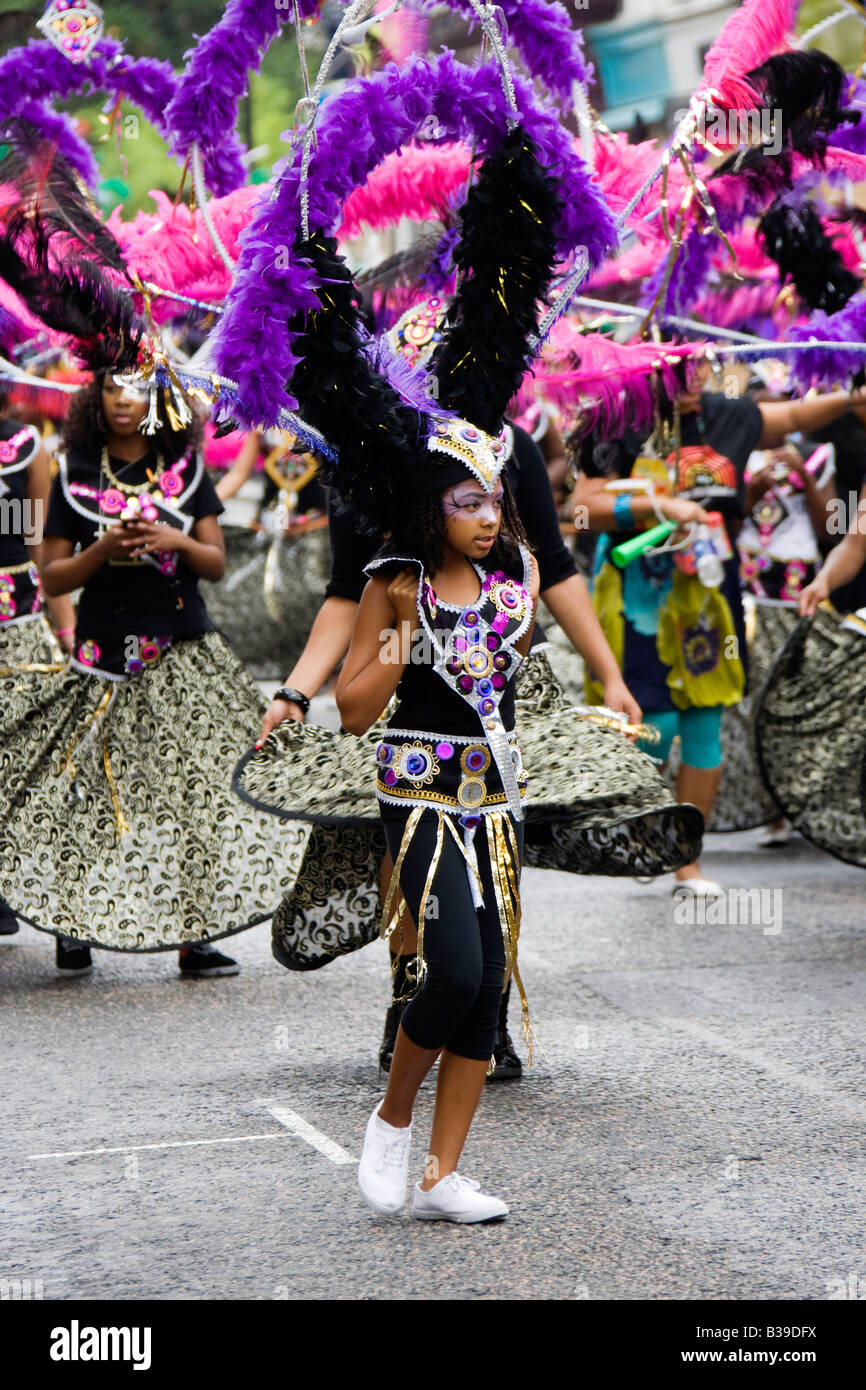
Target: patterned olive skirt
column 272, row 590
column 596, row 805
column 811, row 733
column 743, row 802
column 118, row 825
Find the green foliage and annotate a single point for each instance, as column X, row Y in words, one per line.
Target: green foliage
column 844, row 41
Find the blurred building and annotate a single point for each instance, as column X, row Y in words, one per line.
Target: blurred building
column 650, row 59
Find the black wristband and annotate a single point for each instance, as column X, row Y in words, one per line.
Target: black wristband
column 293, row 697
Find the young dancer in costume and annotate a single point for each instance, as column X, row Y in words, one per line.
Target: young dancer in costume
column 26, row 639
column 118, row 827
column 811, row 724
column 621, row 783
column 789, row 491
column 450, row 781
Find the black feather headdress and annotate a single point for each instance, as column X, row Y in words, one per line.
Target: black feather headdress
column 381, row 430
column 378, row 438
column 59, row 257
column 802, row 93
column 505, row 258
column 796, row 240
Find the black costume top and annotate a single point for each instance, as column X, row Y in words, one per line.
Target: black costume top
column 20, row 596
column 154, row 596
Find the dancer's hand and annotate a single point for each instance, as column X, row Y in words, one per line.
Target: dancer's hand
column 403, row 595
column 117, row 543
column 682, row 511
column 153, row 536
column 812, row 595
column 279, row 712
column 619, row 698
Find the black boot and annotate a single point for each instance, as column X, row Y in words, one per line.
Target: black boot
column 8, row 920
column 508, row 1065
column 403, row 988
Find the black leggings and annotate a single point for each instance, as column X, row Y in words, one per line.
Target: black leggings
column 457, row 1006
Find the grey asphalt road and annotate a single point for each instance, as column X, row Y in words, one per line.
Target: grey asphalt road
column 695, row 1130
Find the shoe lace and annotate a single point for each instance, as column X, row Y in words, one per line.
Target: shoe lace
column 394, row 1153
column 458, row 1181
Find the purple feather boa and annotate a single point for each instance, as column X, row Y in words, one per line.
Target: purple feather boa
column 39, row 72
column 825, row 367
column 205, row 108
column 367, row 121
column 542, row 33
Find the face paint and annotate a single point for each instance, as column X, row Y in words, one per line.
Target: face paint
column 469, row 500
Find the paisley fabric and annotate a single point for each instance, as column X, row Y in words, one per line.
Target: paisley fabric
column 596, row 805
column 281, row 581
column 744, row 802
column 811, row 733
column 117, row 821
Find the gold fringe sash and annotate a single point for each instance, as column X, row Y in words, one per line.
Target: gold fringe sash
column 388, row 924
column 505, row 873
column 103, row 708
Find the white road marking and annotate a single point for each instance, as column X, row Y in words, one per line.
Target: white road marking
column 308, row 1132
column 177, row 1144
column 777, row 1070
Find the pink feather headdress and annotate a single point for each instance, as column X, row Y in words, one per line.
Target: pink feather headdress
column 599, row 384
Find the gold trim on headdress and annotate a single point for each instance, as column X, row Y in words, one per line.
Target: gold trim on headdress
column 417, row 333
column 485, row 455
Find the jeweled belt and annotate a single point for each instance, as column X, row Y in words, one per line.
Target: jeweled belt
column 456, row 774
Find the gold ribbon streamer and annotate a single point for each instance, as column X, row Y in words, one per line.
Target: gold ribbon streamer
column 120, row 818
column 505, row 872
column 388, row 923
column 104, row 707
column 68, row 764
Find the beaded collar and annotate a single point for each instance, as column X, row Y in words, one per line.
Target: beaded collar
column 473, row 649
column 14, row 452
column 105, row 505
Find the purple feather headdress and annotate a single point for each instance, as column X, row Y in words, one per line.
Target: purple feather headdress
column 822, row 366
column 371, row 118
column 204, row 109
column 38, row 72
column 543, row 34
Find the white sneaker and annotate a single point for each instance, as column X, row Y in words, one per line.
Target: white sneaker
column 698, row 888
column 775, row 835
column 384, row 1165
column 455, row 1198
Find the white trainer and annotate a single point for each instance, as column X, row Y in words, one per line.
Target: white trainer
column 697, row 888
column 455, row 1198
column 384, row 1165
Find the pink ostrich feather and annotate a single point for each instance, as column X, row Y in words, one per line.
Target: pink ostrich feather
column 607, row 386
column 421, row 182
column 403, row 33
column 622, row 168
column 173, row 249
column 757, row 30
column 629, row 269
column 221, row 452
